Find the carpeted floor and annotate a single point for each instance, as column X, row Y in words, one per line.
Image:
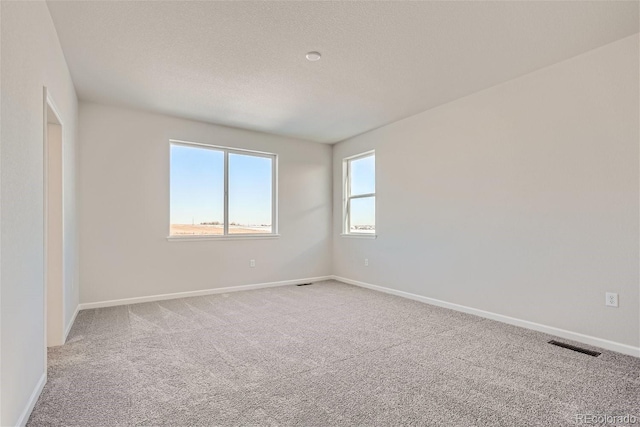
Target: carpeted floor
column 321, row 355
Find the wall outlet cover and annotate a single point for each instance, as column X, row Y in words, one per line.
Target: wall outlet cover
column 611, row 299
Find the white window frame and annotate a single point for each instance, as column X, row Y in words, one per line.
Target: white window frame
column 347, row 197
column 274, row 193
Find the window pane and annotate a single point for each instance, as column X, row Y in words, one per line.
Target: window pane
column 363, row 175
column 362, row 215
column 250, row 179
column 197, row 191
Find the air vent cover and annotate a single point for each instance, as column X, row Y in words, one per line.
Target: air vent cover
column 574, row 348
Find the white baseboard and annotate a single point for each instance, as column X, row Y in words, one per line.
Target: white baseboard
column 73, row 319
column 562, row 333
column 24, row 417
column 136, row 300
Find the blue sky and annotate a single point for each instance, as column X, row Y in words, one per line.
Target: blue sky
column 197, row 187
column 363, row 173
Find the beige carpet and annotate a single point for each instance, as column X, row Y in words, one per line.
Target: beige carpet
column 321, row 355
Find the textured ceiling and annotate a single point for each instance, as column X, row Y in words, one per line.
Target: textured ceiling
column 243, row 63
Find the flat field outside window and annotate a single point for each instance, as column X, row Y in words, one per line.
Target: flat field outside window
column 219, row 191
column 360, row 195
column 197, row 191
column 363, row 215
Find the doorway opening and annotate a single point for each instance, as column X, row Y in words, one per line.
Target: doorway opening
column 53, row 225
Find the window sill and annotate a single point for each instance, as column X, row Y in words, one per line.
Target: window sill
column 238, row 237
column 360, row 236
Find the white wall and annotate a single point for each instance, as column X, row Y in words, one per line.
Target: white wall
column 31, row 58
column 125, row 210
column 521, row 200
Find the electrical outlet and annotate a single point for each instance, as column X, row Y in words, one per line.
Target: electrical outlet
column 366, row 262
column 611, row 299
column 252, row 263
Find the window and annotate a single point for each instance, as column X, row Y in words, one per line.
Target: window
column 360, row 194
column 218, row 191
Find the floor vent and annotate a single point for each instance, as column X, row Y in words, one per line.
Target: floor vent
column 574, row 348
column 305, row 284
